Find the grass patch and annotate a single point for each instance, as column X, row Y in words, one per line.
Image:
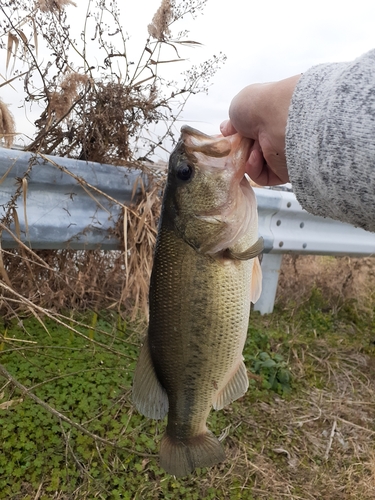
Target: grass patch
column 304, row 430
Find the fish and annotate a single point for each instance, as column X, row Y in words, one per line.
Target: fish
column 205, row 274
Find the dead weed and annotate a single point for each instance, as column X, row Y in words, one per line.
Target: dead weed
column 338, row 278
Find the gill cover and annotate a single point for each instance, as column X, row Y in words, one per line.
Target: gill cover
column 213, row 203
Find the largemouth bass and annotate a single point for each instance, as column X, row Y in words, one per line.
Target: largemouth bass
column 205, row 274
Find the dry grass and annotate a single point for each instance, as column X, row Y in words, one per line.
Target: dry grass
column 53, row 5
column 7, row 125
column 316, row 444
column 68, row 280
column 101, row 112
column 339, row 278
column 319, row 444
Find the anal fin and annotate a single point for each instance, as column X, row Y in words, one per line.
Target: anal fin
column 234, row 389
column 149, row 396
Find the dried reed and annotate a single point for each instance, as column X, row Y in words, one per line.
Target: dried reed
column 53, row 5
column 100, row 113
column 61, row 280
column 159, row 27
column 7, row 125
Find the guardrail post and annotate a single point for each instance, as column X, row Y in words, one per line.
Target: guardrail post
column 271, row 264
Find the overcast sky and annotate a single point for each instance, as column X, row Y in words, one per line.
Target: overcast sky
column 269, row 40
column 264, row 40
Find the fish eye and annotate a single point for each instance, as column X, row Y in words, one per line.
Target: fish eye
column 184, row 171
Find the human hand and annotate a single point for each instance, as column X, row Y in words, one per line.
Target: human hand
column 260, row 112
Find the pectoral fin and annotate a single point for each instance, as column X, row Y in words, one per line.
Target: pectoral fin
column 256, row 281
column 234, row 389
column 149, row 395
column 249, row 253
column 210, row 219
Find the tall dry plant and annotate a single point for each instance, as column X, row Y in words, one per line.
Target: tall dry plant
column 7, row 125
column 96, row 104
column 101, row 109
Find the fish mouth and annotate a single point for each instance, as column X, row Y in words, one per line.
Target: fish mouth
column 218, row 154
column 216, row 146
column 241, row 150
column 210, row 151
column 225, row 157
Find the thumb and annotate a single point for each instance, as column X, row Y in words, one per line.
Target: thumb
column 246, row 110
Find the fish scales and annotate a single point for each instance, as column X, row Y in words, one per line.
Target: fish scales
column 199, row 308
column 188, row 313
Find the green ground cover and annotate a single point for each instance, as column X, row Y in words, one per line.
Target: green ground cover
column 304, row 429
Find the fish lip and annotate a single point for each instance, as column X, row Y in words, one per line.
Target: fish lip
column 241, row 146
column 199, row 147
column 196, row 142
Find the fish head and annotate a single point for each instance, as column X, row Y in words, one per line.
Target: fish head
column 208, row 197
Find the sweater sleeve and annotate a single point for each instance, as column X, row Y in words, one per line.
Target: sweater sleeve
column 330, row 141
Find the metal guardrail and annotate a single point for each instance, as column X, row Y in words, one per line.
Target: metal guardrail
column 64, row 204
column 65, row 209
column 287, row 228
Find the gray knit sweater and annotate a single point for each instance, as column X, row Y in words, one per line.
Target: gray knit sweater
column 330, row 141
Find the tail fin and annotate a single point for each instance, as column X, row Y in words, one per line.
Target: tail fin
column 181, row 457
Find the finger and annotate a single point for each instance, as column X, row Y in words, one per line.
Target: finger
column 260, row 172
column 226, row 128
column 255, row 167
